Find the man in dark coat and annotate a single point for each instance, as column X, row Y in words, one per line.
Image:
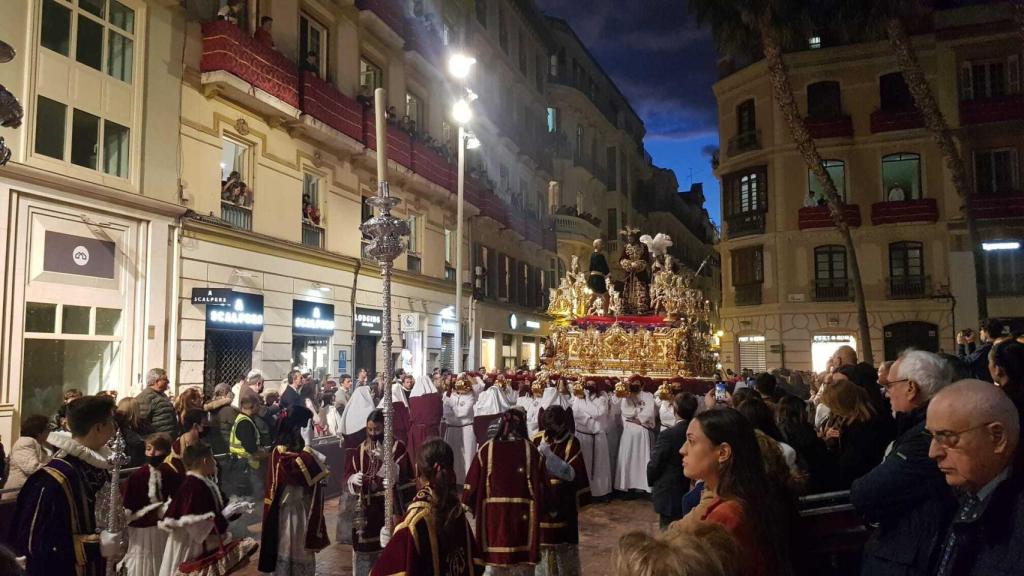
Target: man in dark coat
column 975, row 356
column 154, row 405
column 906, row 493
column 665, row 469
column 975, row 432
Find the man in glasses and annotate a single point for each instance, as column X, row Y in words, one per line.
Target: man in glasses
column 975, row 432
column 901, row 493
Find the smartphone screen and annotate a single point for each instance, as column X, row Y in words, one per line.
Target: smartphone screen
column 720, row 392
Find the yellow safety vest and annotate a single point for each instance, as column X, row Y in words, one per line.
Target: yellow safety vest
column 235, row 447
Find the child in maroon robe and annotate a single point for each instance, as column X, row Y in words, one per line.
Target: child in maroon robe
column 435, row 538
column 146, row 495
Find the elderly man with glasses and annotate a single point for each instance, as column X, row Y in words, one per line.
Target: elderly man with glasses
column 975, row 432
column 905, row 494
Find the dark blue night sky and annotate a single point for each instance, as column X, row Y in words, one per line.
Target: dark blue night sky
column 665, row 66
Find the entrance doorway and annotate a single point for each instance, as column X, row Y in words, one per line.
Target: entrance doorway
column 228, row 357
column 823, row 346
column 366, row 355
column 312, row 353
column 487, row 351
column 902, row 335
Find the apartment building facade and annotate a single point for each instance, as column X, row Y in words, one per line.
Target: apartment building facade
column 787, row 296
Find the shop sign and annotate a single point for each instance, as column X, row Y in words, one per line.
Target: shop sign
column 447, row 326
column 369, row 321
column 243, row 312
column 79, row 255
column 513, row 321
column 533, row 325
column 212, row 296
column 312, row 318
column 844, row 338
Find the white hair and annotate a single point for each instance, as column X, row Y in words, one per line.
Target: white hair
column 930, row 371
column 154, row 375
column 254, row 375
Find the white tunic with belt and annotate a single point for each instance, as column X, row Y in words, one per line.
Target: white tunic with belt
column 532, row 407
column 458, row 432
column 666, row 414
column 590, row 414
column 637, row 438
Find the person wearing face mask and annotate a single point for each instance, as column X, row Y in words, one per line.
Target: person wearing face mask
column 435, row 533
column 365, row 469
column 293, row 528
column 639, row 414
column 195, row 424
column 590, row 410
column 401, row 418
column 531, row 402
column 146, row 494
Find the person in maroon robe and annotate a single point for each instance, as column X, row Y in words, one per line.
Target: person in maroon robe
column 425, row 413
column 504, row 489
column 364, row 477
column 434, row 538
column 566, row 491
column 146, row 494
column 293, row 499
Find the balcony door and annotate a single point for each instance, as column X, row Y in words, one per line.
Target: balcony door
column 902, row 335
column 830, row 279
column 906, row 270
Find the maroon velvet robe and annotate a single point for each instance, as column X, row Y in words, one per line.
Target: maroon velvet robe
column 194, row 501
column 559, row 523
column 425, row 414
column 292, row 469
column 147, row 491
column 372, row 492
column 504, row 488
column 416, row 550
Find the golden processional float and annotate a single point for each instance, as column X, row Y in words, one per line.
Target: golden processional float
column 654, row 324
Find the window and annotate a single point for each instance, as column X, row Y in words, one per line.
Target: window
column 901, row 177
column 502, row 30
column 102, row 27
column 747, row 266
column 522, row 53
column 612, row 163
column 905, row 259
column 894, row 94
column 313, row 38
column 503, row 180
column 50, row 125
column 370, row 75
column 448, row 34
column 996, row 171
column 830, row 273
column 85, row 139
column 553, row 120
column 365, row 213
column 990, row 78
column 503, row 276
column 824, row 101
column 311, row 199
column 414, row 110
column 746, row 118
column 837, row 170
column 746, row 192
column 449, row 247
column 553, row 62
column 613, row 224
column 814, row 42
column 508, row 351
column 481, row 12
column 1004, row 272
column 538, row 72
column 235, row 194
column 115, row 149
column 580, row 137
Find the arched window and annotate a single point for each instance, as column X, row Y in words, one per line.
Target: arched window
column 901, row 177
column 824, row 101
column 837, row 170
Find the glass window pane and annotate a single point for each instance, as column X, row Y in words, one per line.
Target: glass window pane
column 115, row 149
column 85, row 133
column 75, row 320
column 89, row 47
column 108, row 321
column 51, row 366
column 56, row 29
column 120, row 57
column 50, row 120
column 92, row 6
column 40, row 317
column 122, row 16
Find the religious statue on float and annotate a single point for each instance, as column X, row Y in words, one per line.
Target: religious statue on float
column 635, row 262
column 597, row 281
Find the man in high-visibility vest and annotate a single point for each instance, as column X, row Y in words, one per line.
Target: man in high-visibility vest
column 244, row 465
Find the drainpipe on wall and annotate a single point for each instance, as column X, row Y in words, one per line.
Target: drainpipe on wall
column 352, row 305
column 174, row 308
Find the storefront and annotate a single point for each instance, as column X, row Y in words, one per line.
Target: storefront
column 369, row 325
column 232, row 329
column 508, row 339
column 312, row 331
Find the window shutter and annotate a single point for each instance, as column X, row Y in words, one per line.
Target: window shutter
column 1013, row 74
column 966, row 82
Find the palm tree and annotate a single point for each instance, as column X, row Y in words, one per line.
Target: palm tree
column 765, row 25
column 890, row 17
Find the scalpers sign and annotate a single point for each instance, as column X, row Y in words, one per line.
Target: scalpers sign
column 243, row 312
column 312, row 318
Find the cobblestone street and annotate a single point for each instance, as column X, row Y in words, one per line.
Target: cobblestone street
column 602, row 525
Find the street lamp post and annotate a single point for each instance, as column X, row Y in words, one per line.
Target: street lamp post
column 459, row 66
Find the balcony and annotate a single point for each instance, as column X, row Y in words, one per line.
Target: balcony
column 748, row 294
column 922, row 210
column 832, row 290
column 424, row 40
column 575, row 229
column 908, row 287
column 238, row 216
column 745, row 224
column 745, row 142
column 312, row 235
column 998, row 206
column 840, row 127
column 385, row 15
column 247, row 71
column 986, row 110
column 890, row 120
column 323, row 105
column 820, row 217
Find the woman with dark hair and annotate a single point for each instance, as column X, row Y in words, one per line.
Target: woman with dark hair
column 1006, row 364
column 721, row 449
column 133, row 429
column 435, row 537
column 760, row 415
column 812, row 456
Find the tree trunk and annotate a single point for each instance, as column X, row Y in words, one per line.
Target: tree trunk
column 783, row 92
column 906, row 58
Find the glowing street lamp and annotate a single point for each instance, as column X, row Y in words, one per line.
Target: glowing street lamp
column 460, row 64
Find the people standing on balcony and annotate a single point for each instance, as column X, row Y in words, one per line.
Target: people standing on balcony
column 230, row 12
column 391, row 114
column 975, row 355
column 310, row 63
column 263, row 35
column 596, row 280
column 365, row 96
column 811, row 200
column 896, row 193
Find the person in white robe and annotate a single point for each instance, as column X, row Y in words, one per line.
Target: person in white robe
column 531, row 402
column 613, row 426
column 491, row 403
column 458, row 422
column 590, row 411
column 666, row 413
column 639, row 417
